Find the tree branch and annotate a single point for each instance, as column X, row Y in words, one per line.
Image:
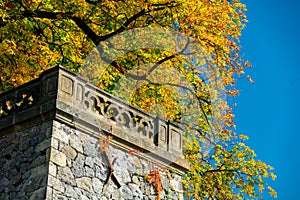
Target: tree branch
column 124, row 26
column 87, row 30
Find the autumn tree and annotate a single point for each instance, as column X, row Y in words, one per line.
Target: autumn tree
column 91, row 37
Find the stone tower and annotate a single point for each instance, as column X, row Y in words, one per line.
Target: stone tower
column 63, row 138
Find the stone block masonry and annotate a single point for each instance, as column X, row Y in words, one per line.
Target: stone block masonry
column 78, row 170
column 62, row 138
column 24, row 160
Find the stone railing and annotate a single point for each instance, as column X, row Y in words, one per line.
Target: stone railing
column 32, row 99
column 70, row 98
column 19, row 99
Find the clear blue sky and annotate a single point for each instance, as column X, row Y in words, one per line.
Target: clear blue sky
column 269, row 110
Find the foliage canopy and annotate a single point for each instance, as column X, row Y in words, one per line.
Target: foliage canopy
column 39, row 34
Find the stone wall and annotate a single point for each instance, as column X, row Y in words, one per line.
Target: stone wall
column 62, row 138
column 24, row 156
column 79, row 170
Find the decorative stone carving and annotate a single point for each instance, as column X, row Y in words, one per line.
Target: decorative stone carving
column 19, row 99
column 175, row 140
column 82, row 98
column 79, row 92
column 67, row 85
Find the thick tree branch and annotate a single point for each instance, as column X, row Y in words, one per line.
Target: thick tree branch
column 45, row 14
column 87, row 30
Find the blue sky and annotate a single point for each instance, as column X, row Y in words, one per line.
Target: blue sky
column 269, row 110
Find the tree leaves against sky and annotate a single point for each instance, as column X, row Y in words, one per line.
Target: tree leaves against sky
column 36, row 35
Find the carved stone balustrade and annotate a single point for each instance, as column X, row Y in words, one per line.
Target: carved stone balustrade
column 65, row 96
